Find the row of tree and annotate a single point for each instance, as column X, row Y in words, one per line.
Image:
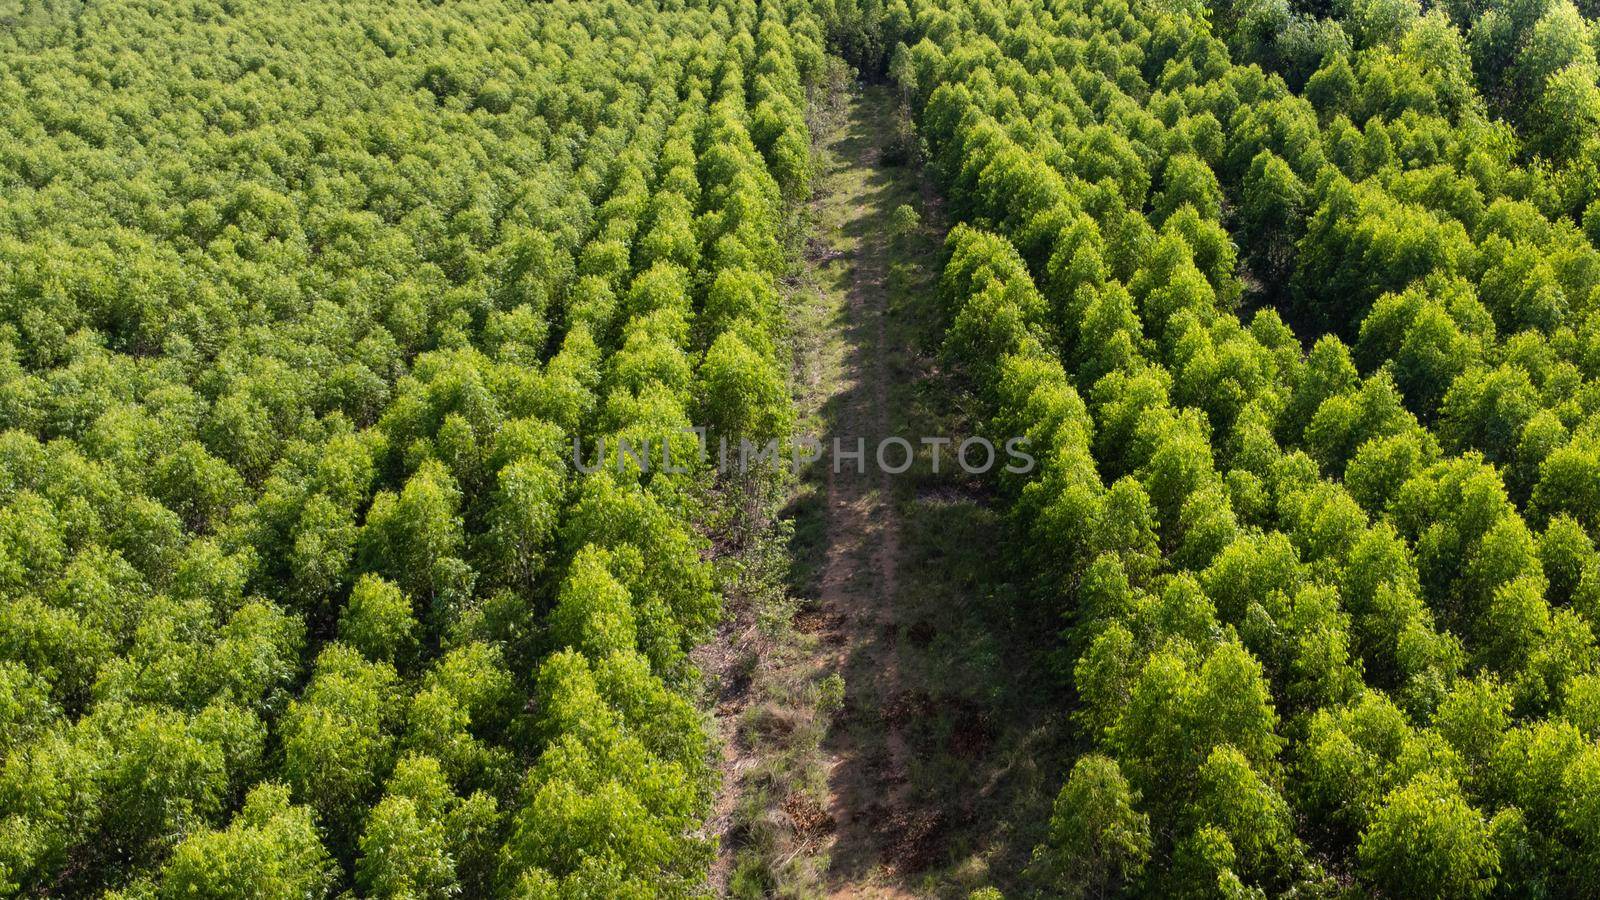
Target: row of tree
column 302, row 311
column 1320, row 631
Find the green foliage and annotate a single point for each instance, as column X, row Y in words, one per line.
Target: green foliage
column 420, row 837
column 1325, row 603
column 337, row 737
column 377, row 620
column 301, row 314
column 904, row 220
column 293, row 354
column 1098, row 841
column 602, row 809
column 270, row 850
column 1426, row 841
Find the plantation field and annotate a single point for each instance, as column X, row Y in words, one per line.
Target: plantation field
column 363, row 531
column 303, row 308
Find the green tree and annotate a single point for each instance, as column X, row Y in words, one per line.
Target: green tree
column 378, row 621
column 1427, row 841
column 420, row 833
column 270, row 850
column 337, row 742
column 1098, row 841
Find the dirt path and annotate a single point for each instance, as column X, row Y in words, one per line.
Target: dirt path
column 868, row 755
column 886, row 729
column 812, row 781
column 941, row 764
